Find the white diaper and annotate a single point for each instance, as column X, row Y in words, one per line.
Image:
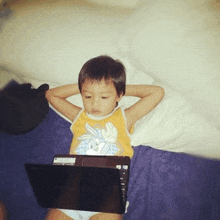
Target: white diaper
column 83, row 215
column 78, row 215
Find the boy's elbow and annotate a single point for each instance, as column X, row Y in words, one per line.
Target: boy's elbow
column 160, row 92
column 48, row 94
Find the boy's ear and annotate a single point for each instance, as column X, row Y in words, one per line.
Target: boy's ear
column 119, row 98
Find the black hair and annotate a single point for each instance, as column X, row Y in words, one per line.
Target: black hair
column 104, row 67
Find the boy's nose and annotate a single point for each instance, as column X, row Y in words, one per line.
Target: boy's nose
column 95, row 102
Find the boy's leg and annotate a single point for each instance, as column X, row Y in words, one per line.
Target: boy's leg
column 55, row 214
column 3, row 211
column 106, row 216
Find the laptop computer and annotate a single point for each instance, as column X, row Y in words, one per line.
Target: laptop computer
column 81, row 182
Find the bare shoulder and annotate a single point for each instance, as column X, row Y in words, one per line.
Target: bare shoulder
column 150, row 97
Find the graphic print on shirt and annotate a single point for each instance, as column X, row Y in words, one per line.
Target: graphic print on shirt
column 99, row 141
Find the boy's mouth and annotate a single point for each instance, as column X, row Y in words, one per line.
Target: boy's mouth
column 95, row 112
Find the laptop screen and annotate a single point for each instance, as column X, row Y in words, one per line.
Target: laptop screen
column 77, row 188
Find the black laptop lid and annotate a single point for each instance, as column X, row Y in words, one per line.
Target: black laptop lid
column 77, row 188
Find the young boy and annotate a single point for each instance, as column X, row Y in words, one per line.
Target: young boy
column 101, row 128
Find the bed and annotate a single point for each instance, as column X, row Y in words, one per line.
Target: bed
column 175, row 171
column 162, row 185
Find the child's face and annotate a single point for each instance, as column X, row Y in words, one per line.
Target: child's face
column 99, row 97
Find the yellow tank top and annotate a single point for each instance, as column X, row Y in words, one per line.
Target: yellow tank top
column 101, row 136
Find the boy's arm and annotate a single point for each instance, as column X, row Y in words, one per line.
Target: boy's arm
column 57, row 98
column 150, row 97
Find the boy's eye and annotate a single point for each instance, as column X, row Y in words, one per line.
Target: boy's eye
column 87, row 97
column 104, row 97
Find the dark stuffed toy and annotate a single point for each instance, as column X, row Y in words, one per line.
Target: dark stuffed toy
column 22, row 108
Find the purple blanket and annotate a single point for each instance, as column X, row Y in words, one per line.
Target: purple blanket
column 163, row 185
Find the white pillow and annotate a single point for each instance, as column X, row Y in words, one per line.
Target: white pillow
column 177, row 42
column 50, row 43
column 115, row 3
column 174, row 126
column 6, row 77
